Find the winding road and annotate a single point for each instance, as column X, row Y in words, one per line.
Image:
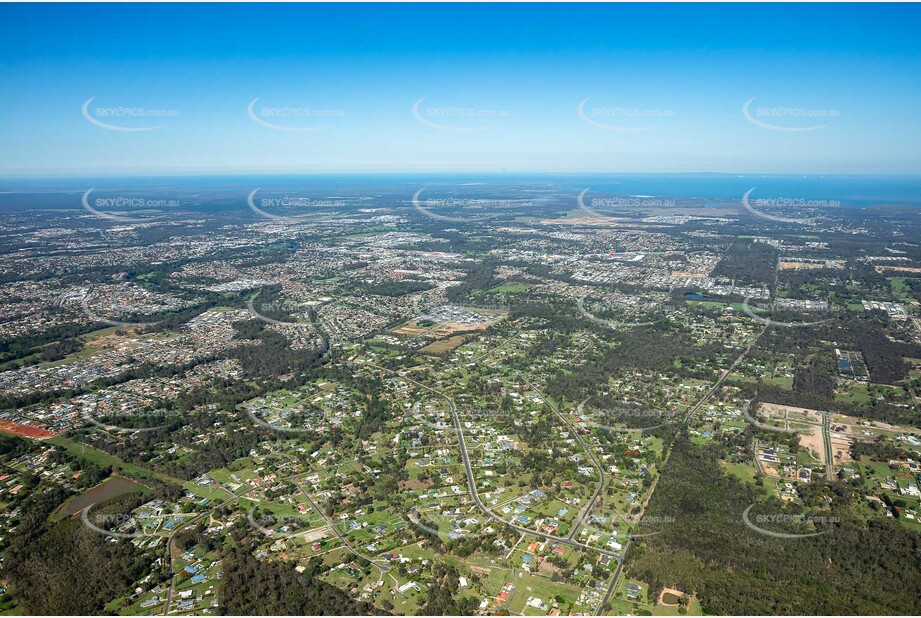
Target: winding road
column 383, row 567
column 591, row 455
column 471, row 483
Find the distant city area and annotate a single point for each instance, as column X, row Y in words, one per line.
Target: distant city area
column 460, row 309
column 414, row 406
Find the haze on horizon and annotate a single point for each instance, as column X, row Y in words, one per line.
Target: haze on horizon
column 167, row 89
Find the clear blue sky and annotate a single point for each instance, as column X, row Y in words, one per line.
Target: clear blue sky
column 523, row 69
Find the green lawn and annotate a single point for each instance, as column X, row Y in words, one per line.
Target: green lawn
column 694, row 609
column 103, row 459
column 511, row 288
column 855, row 393
column 706, row 303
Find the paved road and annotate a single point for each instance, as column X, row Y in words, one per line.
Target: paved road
column 568, row 541
column 703, row 400
column 755, row 457
column 208, row 513
column 726, row 374
column 471, row 483
column 829, row 454
column 383, row 567
column 171, row 537
column 613, row 585
column 591, row 455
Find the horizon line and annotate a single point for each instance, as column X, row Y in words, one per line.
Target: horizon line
column 226, row 173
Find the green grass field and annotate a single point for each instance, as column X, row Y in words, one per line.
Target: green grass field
column 511, row 288
column 129, row 470
column 854, row 393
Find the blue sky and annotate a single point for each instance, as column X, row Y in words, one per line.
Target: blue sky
column 501, row 87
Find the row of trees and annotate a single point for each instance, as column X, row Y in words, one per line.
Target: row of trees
column 856, row 567
column 61, row 566
column 254, row 587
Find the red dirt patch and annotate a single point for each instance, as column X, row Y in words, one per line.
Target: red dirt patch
column 25, row 431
